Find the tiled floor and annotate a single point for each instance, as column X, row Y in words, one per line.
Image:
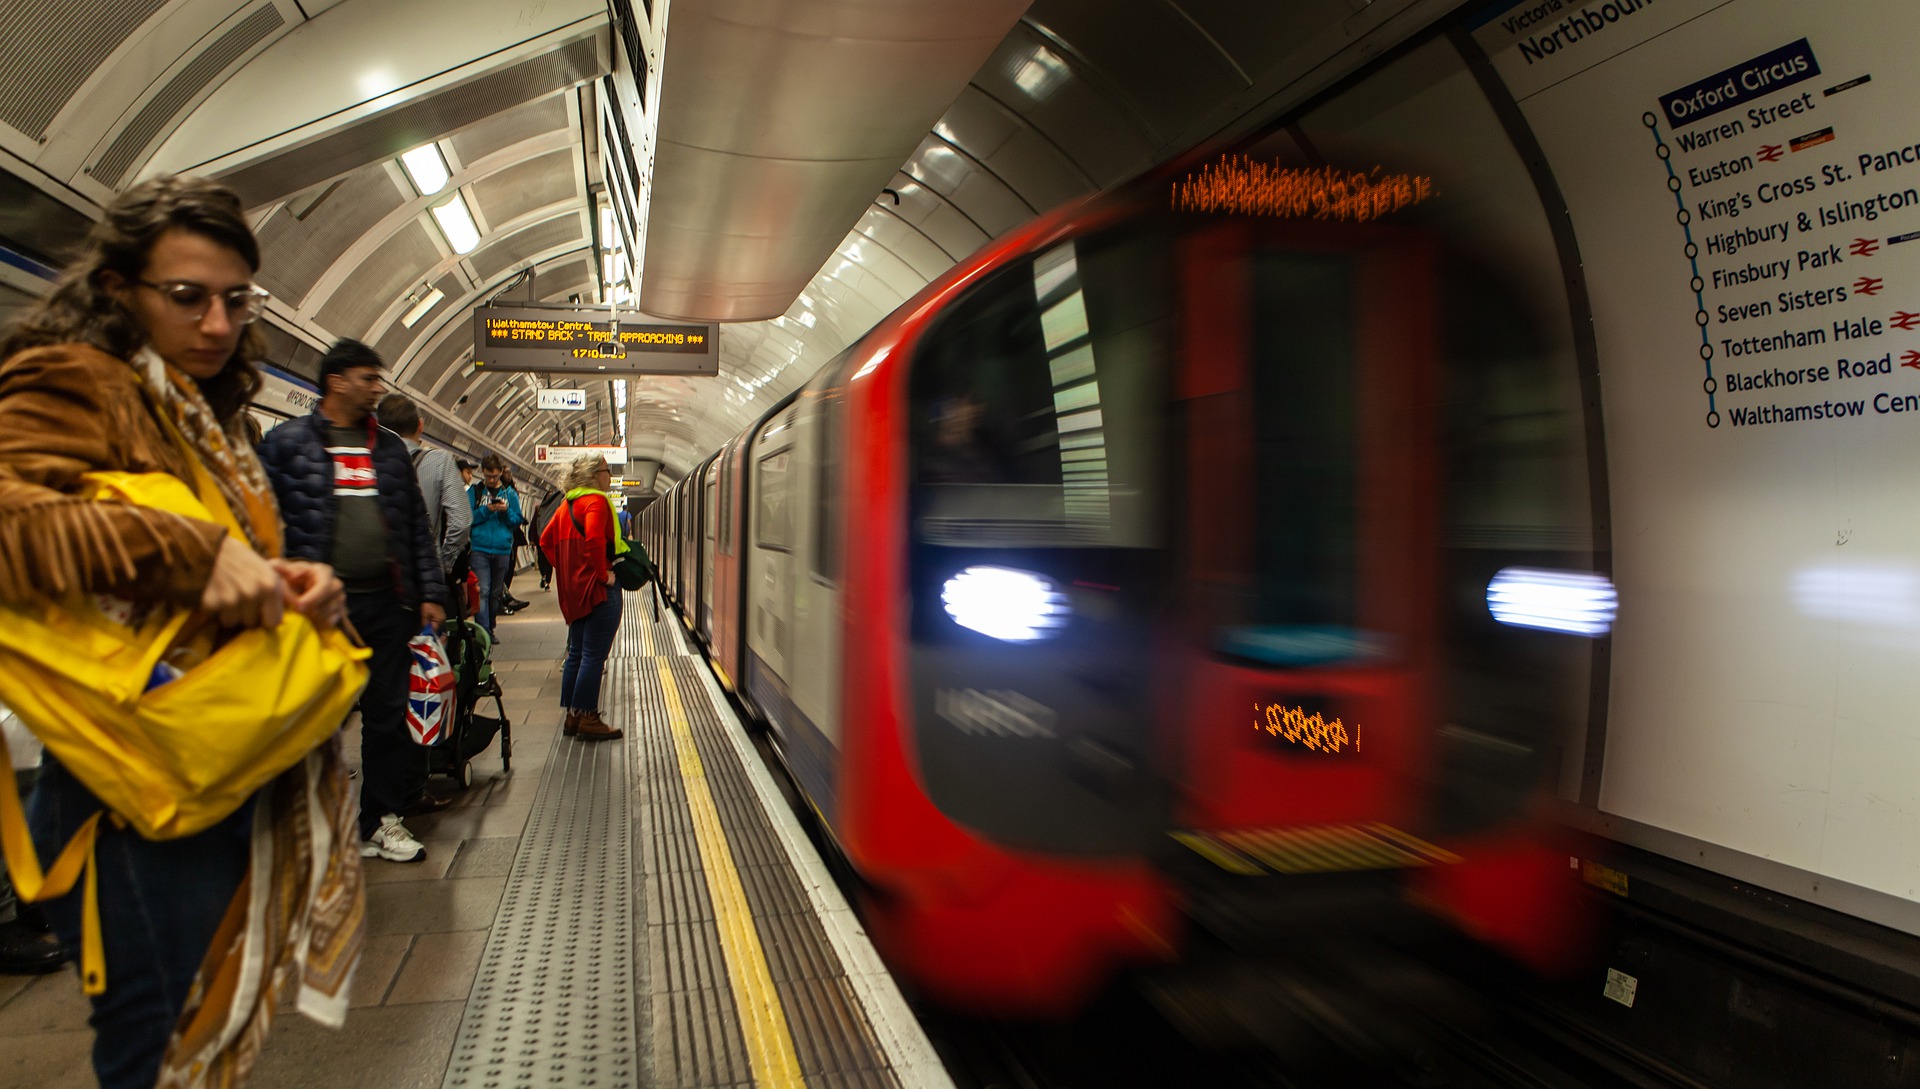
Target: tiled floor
column 428, row 921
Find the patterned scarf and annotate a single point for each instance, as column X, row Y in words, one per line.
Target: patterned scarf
column 299, row 918
column 223, row 450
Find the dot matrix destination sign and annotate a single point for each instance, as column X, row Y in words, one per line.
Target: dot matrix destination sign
column 565, row 340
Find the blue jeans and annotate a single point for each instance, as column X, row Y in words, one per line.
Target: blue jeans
column 589, row 641
column 493, row 571
column 160, row 904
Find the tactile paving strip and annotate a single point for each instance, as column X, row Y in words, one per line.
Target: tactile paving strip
column 553, row 1002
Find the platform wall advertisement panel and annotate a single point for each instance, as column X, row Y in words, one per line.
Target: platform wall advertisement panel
column 1743, row 178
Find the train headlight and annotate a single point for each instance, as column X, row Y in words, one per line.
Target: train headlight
column 1015, row 606
column 1575, row 602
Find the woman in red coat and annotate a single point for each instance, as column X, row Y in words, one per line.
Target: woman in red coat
column 581, row 539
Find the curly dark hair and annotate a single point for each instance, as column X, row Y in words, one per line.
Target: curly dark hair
column 79, row 309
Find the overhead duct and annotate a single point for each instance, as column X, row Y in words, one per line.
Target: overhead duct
column 373, row 80
column 780, row 121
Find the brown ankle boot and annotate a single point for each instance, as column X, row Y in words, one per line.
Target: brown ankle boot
column 593, row 728
column 572, row 725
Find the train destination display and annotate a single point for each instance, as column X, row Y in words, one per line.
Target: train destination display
column 583, row 341
column 1742, row 180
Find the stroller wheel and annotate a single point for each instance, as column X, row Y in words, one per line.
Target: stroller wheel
column 464, row 773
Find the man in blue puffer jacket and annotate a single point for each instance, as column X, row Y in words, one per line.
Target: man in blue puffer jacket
column 349, row 497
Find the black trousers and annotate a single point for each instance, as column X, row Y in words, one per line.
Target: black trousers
column 393, row 770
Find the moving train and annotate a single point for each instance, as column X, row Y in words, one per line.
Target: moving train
column 1118, row 576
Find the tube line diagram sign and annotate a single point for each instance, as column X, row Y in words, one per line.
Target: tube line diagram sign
column 565, row 400
column 577, row 341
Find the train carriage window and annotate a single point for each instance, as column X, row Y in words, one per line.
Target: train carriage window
column 773, row 520
column 710, row 511
column 722, row 468
column 1038, row 402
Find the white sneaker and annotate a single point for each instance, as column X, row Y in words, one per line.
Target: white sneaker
column 393, row 842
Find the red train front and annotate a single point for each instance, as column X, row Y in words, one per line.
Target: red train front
column 1110, row 576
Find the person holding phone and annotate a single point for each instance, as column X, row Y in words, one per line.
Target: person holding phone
column 496, row 511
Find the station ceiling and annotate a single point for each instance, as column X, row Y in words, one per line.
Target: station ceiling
column 793, row 168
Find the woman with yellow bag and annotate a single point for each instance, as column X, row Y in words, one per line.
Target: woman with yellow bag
column 122, row 402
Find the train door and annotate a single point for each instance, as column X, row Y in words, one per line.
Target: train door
column 711, row 544
column 1305, row 385
column 770, row 630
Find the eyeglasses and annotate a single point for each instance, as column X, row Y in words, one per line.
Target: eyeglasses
column 191, row 301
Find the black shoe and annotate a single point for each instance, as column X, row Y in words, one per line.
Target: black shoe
column 25, row 951
column 428, row 803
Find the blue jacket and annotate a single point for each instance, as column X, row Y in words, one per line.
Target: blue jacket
column 301, row 470
column 493, row 529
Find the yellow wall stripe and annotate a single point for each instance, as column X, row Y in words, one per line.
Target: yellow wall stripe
column 763, row 1020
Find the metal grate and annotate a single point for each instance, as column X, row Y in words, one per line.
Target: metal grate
column 553, row 1004
column 188, row 84
column 49, row 49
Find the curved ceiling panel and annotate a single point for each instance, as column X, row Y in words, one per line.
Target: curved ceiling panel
column 403, row 259
column 779, row 120
column 301, row 239
column 526, row 187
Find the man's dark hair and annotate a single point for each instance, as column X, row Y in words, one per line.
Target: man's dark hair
column 345, row 355
column 398, row 414
column 494, row 462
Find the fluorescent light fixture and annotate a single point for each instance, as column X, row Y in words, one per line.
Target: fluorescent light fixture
column 428, row 169
column 607, row 238
column 1573, row 602
column 457, row 224
column 1009, row 605
column 610, row 268
column 419, row 309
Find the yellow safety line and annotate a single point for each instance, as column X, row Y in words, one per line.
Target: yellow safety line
column 763, row 1020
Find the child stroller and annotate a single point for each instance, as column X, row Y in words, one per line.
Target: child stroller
column 468, row 650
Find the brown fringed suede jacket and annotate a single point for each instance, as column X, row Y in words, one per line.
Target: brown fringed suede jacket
column 71, row 409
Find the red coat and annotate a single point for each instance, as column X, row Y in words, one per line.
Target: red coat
column 578, row 540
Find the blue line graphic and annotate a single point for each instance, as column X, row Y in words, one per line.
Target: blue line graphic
column 1685, row 219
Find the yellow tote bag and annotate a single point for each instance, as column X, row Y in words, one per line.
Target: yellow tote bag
column 170, row 760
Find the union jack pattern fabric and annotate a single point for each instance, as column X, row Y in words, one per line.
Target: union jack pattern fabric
column 429, row 690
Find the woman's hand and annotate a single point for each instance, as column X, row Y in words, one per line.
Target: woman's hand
column 313, row 591
column 611, row 580
column 244, row 591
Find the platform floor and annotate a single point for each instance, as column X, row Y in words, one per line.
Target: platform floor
column 637, row 913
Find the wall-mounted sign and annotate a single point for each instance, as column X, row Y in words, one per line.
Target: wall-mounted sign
column 570, row 340
column 560, row 455
column 566, row 400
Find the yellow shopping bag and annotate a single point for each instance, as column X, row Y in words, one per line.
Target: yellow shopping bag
column 170, row 759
